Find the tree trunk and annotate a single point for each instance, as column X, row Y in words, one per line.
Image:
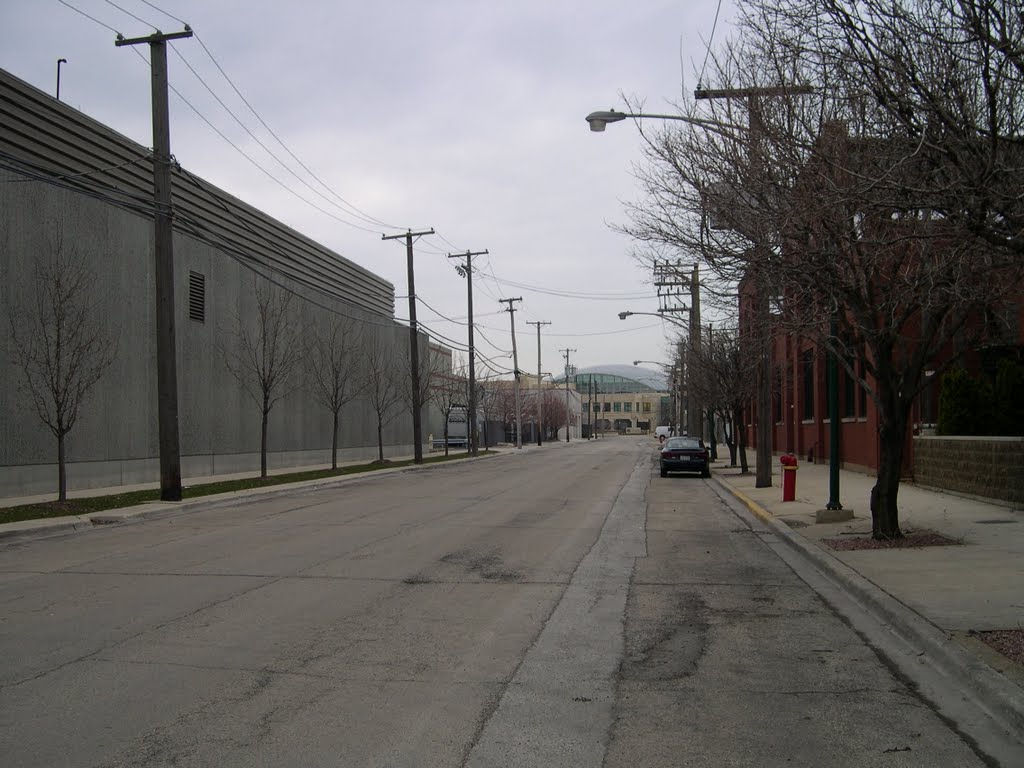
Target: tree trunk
column 334, row 443
column 729, row 427
column 741, row 439
column 446, row 437
column 263, row 445
column 380, row 440
column 885, row 519
column 764, row 392
column 62, row 470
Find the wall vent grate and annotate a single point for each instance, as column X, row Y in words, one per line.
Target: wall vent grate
column 197, row 296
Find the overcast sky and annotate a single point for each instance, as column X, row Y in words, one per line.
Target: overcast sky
column 462, row 115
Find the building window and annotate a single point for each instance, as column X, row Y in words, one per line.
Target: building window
column 647, row 407
column 607, row 407
column 617, row 407
column 807, row 373
column 197, row 296
column 627, row 407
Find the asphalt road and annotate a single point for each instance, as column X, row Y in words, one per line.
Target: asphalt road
column 561, row 606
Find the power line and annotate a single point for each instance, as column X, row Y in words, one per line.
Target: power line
column 266, row 149
column 269, row 175
column 355, row 210
column 91, row 18
column 129, row 13
column 707, row 54
column 161, row 10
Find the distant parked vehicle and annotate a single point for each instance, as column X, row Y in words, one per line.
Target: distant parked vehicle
column 685, row 454
column 663, row 432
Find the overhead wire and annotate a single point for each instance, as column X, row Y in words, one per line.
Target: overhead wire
column 161, row 10
column 263, row 146
column 91, row 18
column 707, row 53
column 129, row 13
column 357, row 211
column 343, row 204
column 346, row 207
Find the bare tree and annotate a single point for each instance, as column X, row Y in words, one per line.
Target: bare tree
column 266, row 358
column 387, row 386
column 554, row 412
column 724, row 378
column 337, row 377
column 450, row 391
column 60, row 343
column 487, row 399
column 876, row 216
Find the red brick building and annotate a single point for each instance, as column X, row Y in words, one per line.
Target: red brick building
column 800, row 397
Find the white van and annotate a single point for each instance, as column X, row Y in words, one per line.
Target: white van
column 663, row 432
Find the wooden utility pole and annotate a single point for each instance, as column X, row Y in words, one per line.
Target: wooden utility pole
column 163, row 272
column 515, row 367
column 467, row 272
column 414, row 345
column 568, row 413
column 669, row 278
column 540, row 393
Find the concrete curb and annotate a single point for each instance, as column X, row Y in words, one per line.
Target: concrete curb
column 998, row 697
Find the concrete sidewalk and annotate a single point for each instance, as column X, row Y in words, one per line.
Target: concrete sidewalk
column 936, row 597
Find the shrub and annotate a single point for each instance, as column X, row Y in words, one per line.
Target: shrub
column 963, row 405
column 1008, row 399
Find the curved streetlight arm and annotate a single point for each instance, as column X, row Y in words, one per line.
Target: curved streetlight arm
column 598, row 120
column 662, row 315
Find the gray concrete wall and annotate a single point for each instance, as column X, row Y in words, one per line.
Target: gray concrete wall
column 988, row 467
column 115, row 440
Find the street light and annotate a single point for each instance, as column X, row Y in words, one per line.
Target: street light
column 598, row 120
column 662, row 313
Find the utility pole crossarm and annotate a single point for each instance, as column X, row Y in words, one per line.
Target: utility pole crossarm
column 157, row 37
column 746, row 93
column 407, row 234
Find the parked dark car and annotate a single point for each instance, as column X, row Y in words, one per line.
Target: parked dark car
column 685, row 454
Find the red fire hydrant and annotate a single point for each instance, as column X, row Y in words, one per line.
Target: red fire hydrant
column 789, row 467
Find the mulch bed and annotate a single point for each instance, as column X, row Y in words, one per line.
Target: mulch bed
column 910, row 539
column 1009, row 642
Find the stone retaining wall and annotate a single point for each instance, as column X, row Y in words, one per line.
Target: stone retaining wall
column 991, row 467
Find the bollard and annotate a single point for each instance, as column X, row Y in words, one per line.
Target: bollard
column 789, row 468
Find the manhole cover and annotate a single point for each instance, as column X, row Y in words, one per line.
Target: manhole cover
column 994, row 522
